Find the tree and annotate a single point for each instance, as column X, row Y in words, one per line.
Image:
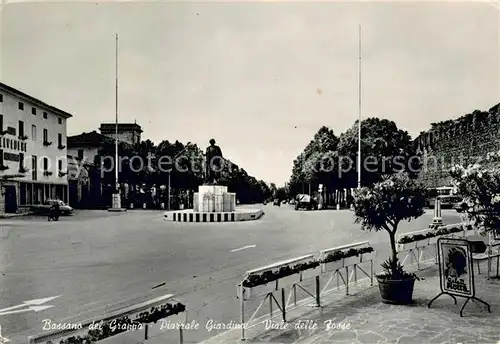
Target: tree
column 383, row 205
column 317, row 163
column 282, row 193
column 385, row 150
column 479, row 184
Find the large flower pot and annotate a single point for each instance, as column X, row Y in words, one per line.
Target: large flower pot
column 396, row 291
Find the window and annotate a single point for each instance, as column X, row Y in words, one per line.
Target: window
column 33, row 132
column 33, row 111
column 1, row 157
column 59, row 120
column 34, row 168
column 44, row 115
column 15, row 145
column 1, row 122
column 21, row 128
column 20, row 106
column 45, row 135
column 1, row 98
column 59, row 140
column 80, row 154
column 59, row 165
column 45, row 164
column 21, row 161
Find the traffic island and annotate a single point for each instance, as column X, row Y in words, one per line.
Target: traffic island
column 192, row 216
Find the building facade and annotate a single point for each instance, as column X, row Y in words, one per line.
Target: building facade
column 461, row 141
column 127, row 132
column 33, row 153
column 85, row 187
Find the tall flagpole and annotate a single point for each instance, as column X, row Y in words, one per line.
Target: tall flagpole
column 116, row 202
column 359, row 108
column 116, row 111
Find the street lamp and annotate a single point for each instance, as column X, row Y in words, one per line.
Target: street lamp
column 169, row 173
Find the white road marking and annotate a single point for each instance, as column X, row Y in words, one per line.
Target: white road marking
column 30, row 309
column 243, row 248
column 32, row 305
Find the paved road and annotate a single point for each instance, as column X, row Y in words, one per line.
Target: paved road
column 98, row 261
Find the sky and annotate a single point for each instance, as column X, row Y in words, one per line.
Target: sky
column 259, row 78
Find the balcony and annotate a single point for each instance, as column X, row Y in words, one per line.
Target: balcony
column 62, row 174
column 47, row 173
column 3, row 167
column 23, row 169
column 61, row 147
column 47, row 143
column 23, row 137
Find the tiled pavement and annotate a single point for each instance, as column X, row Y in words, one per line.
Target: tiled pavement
column 363, row 318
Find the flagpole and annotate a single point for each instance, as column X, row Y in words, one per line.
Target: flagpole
column 359, row 107
column 116, row 201
column 116, row 110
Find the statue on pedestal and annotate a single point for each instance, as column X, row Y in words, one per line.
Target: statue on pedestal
column 213, row 163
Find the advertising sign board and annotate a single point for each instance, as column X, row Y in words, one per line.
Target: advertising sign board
column 456, row 273
column 455, row 264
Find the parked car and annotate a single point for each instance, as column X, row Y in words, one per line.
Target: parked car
column 306, row 202
column 43, row 209
column 276, row 202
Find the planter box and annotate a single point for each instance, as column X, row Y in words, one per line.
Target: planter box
column 470, row 232
column 288, row 281
column 351, row 261
column 422, row 243
column 260, row 289
column 433, row 240
column 310, row 274
column 407, row 246
column 365, row 257
column 332, row 266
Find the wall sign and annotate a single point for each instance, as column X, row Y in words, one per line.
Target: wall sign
column 455, row 265
column 11, row 131
column 11, row 156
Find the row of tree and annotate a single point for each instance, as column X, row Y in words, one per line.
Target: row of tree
column 332, row 160
column 150, row 164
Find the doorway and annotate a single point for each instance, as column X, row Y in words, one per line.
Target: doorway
column 10, row 199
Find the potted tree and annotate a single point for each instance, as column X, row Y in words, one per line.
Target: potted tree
column 383, row 206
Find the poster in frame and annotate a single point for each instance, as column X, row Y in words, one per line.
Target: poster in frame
column 455, row 267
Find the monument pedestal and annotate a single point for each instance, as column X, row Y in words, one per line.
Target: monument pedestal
column 116, row 205
column 212, row 203
column 214, row 199
column 437, row 220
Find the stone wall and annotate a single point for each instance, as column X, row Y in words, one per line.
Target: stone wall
column 461, row 141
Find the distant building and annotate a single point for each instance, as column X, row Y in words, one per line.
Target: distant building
column 33, row 164
column 460, row 141
column 85, row 189
column 127, row 132
column 85, row 146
